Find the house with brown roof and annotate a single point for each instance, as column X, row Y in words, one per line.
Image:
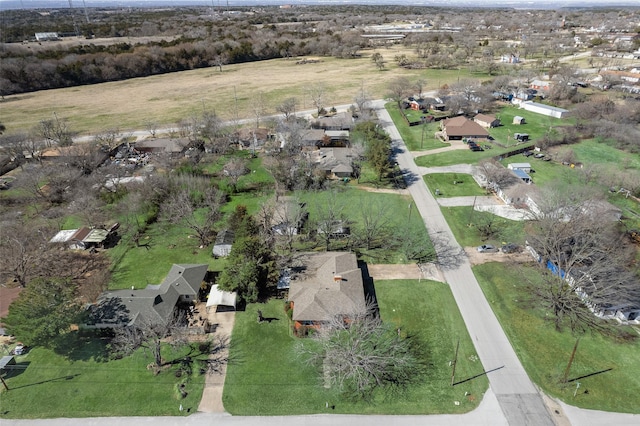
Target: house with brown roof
column 487, row 121
column 336, row 163
column 328, row 284
column 460, row 127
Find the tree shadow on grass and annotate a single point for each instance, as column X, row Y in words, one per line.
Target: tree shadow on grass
column 83, row 346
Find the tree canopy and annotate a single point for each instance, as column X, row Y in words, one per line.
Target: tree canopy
column 45, row 310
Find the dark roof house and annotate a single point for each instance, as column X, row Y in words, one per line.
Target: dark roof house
column 154, row 304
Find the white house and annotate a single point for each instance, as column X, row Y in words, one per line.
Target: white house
column 525, row 167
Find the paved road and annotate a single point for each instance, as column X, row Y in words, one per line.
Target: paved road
column 519, row 400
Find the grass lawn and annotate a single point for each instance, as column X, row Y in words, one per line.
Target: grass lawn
column 265, row 376
column 464, row 184
column 49, row 385
column 536, row 125
column 352, row 202
column 458, row 156
column 415, row 137
column 459, row 219
column 545, row 353
column 168, row 244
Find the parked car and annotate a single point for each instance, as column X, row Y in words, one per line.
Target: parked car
column 487, row 248
column 527, row 153
column 510, row 248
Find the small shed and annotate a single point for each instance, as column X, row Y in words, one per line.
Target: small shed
column 219, row 297
column 518, row 120
column 525, row 167
column 523, row 176
column 522, row 137
column 224, row 241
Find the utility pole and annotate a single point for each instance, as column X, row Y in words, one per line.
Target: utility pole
column 4, row 383
column 573, row 355
column 455, row 361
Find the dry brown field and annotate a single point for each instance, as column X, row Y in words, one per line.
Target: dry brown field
column 165, row 99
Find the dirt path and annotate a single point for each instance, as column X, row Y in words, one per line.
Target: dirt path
column 211, row 401
column 477, row 258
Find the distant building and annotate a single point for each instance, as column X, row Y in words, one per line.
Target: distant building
column 47, row 36
column 543, row 109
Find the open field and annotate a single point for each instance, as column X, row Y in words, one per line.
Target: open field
column 265, row 376
column 165, row 99
column 606, row 369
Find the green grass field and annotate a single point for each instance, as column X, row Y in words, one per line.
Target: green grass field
column 463, row 222
column 464, row 184
column 606, row 369
column 48, row 385
column 266, row 377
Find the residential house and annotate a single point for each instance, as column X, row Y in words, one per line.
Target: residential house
column 313, row 138
column 486, row 121
column 336, row 163
column 162, row 145
column 419, row 104
column 460, row 127
column 339, row 121
column 155, row 304
column 224, row 242
column 253, row 139
column 544, row 85
column 543, row 109
column 83, row 238
column 329, row 284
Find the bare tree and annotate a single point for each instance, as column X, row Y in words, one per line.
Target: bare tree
column 109, row 138
column 495, row 174
column 586, row 258
column 399, row 88
column 357, row 353
column 150, row 335
column 195, row 205
column 20, row 250
column 330, row 214
column 234, row 169
column 287, row 108
column 317, row 92
column 375, row 222
column 259, row 107
column 377, row 59
column 152, row 127
column 55, row 131
column 220, row 60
